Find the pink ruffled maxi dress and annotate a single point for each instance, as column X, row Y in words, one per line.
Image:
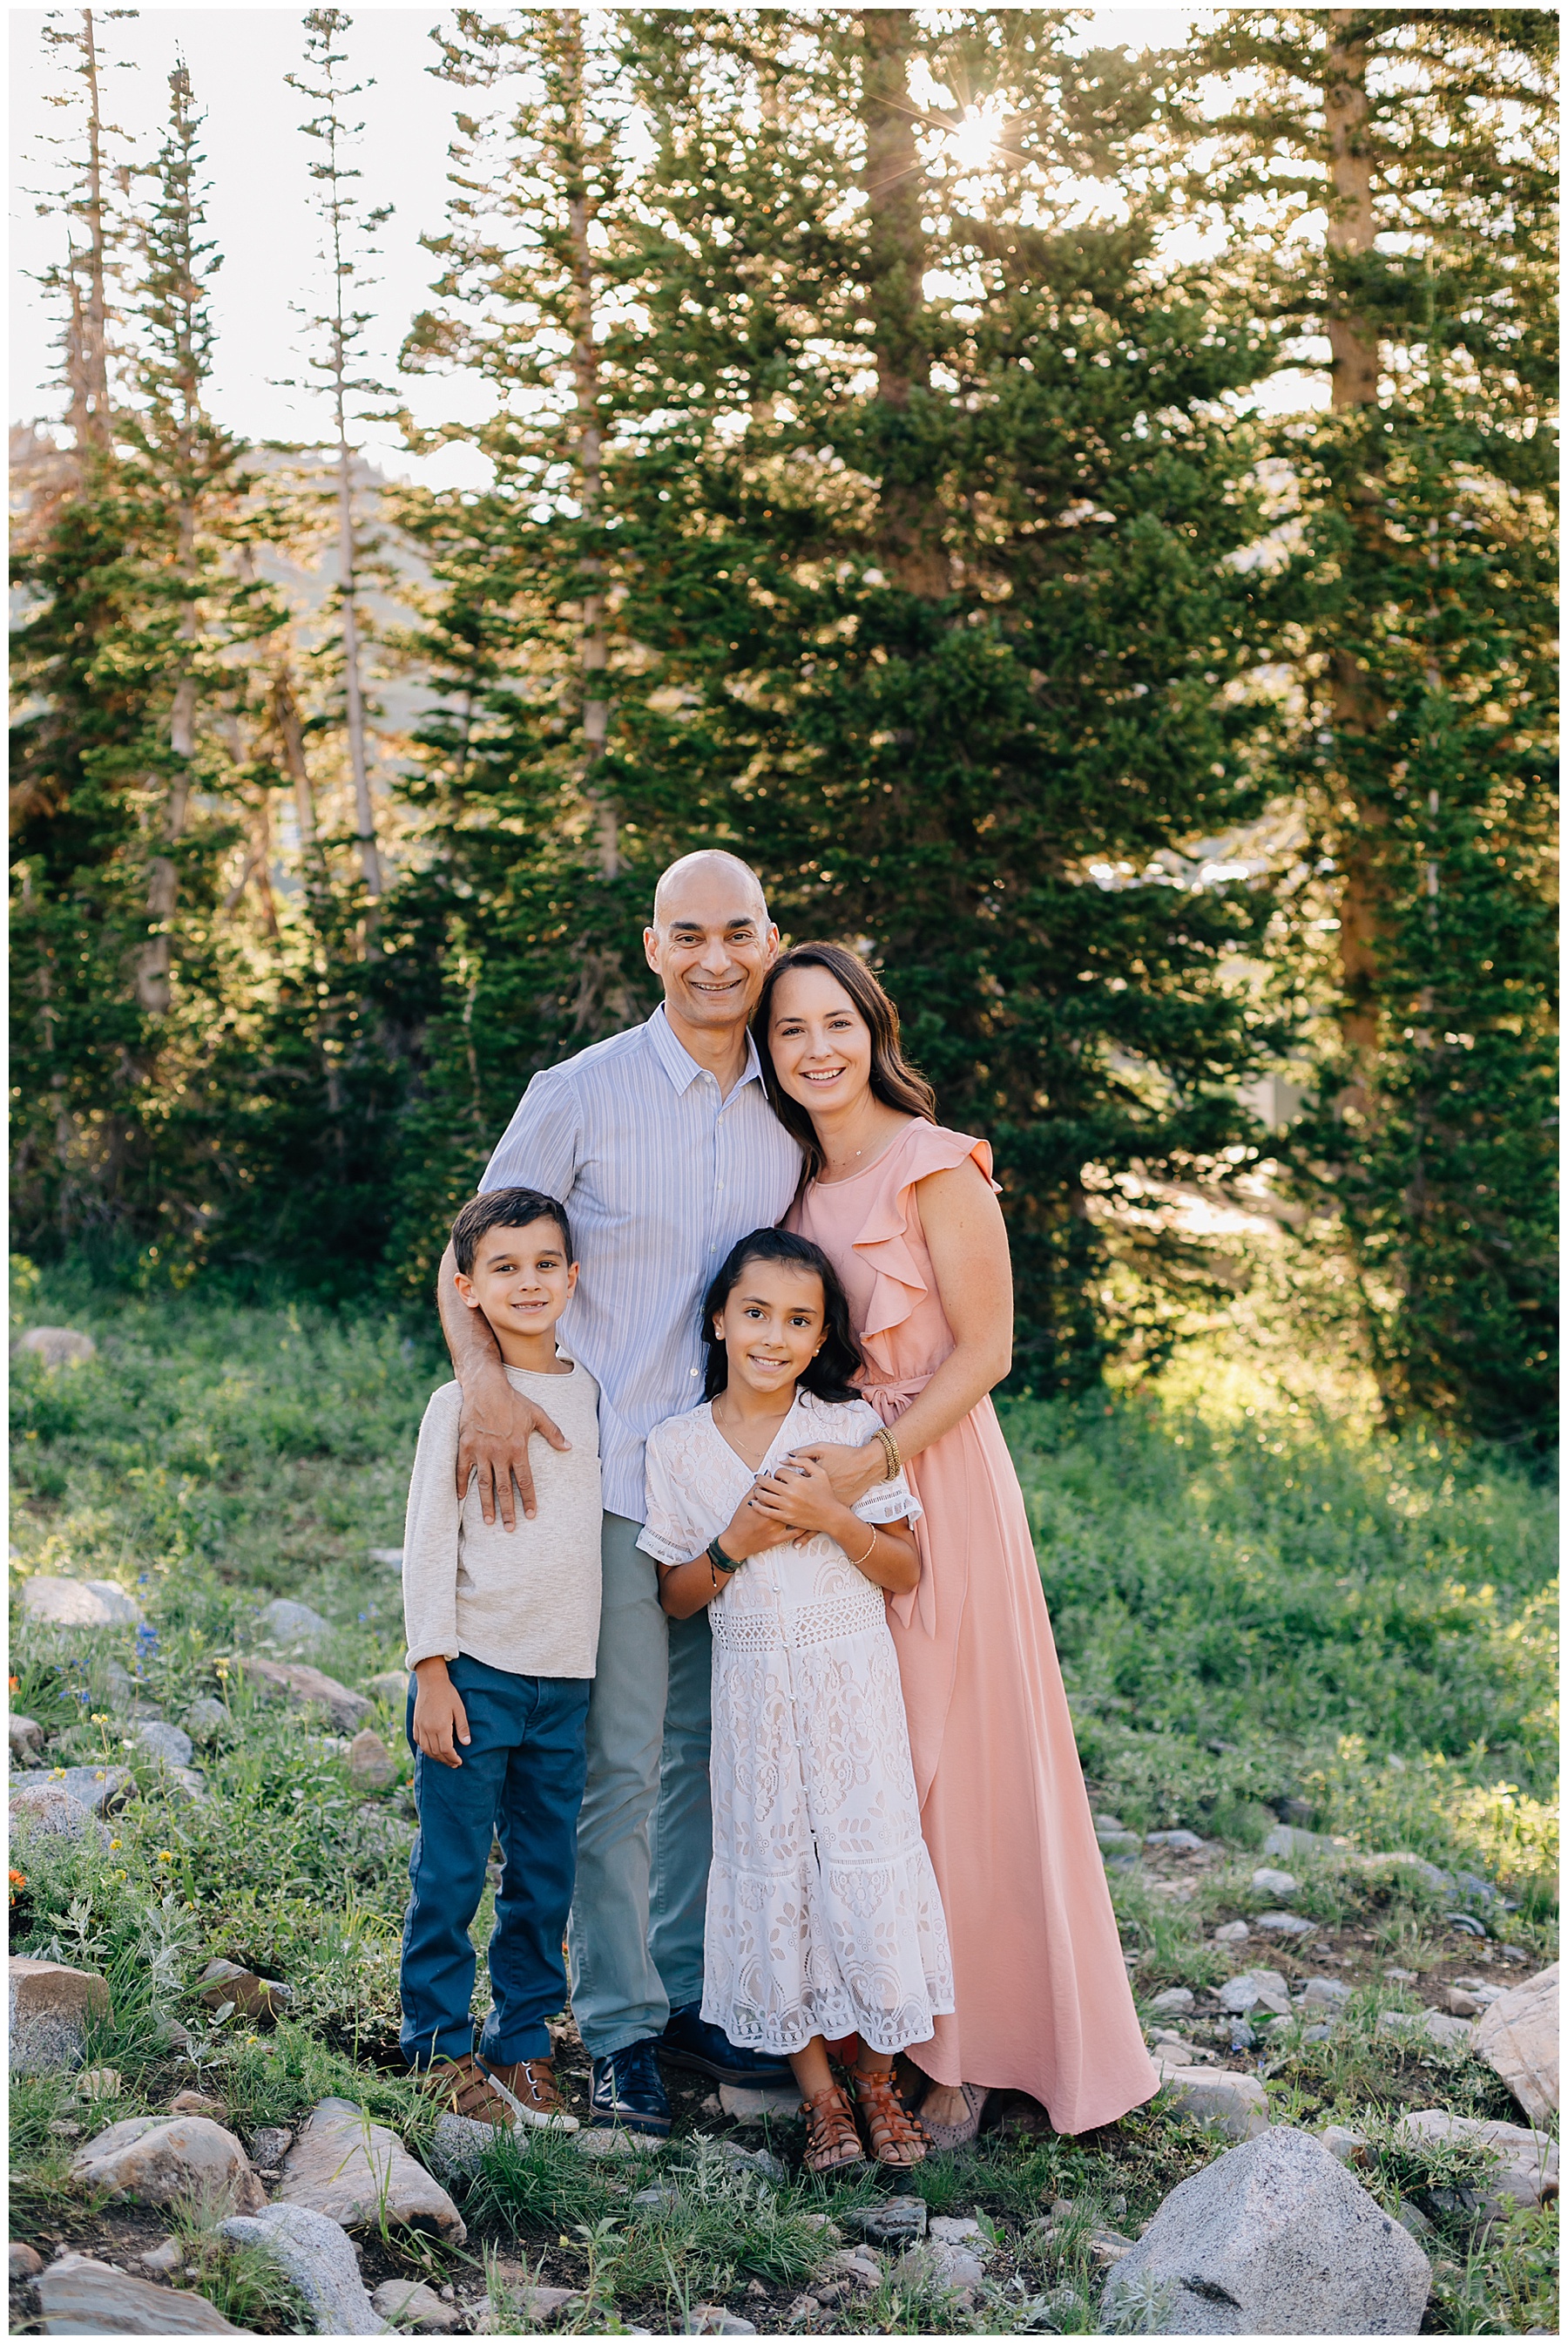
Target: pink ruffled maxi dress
column 1042, row 2000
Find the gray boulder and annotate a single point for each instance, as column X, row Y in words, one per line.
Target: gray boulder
column 80, row 2296
column 51, row 2006
column 361, row 2175
column 58, row 1346
column 1516, row 2035
column 48, row 1810
column 1236, row 2105
column 165, row 1742
column 1426, row 2026
column 1525, row 2167
column 80, row 1603
column 316, row 2253
column 307, row 1689
column 409, row 2305
column 294, row 1624
column 1186, row 1840
column 1273, row 2238
column 155, row 2160
column 207, row 1721
column 1267, row 1881
column 1173, row 1998
column 1256, row 1990
column 100, row 1789
column 26, row 1739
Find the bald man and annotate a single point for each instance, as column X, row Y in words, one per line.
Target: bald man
column 661, row 1144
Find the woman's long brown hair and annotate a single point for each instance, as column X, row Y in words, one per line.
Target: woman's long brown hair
column 893, row 1080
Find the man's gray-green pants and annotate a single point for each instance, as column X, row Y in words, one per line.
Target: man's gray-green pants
column 645, row 1837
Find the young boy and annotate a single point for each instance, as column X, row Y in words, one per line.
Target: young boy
column 503, row 1627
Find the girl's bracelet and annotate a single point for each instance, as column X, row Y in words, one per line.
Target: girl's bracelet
column 720, row 1561
column 860, row 1560
column 890, row 1451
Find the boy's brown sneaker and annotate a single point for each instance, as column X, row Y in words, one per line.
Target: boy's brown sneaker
column 531, row 2084
column 464, row 2089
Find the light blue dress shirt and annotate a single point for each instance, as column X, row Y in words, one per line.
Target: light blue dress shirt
column 661, row 1177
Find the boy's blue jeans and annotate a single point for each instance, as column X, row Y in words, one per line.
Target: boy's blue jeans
column 521, row 1780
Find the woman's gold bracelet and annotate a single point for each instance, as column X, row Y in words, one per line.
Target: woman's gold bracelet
column 890, row 1451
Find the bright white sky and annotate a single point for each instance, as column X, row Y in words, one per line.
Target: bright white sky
column 258, row 209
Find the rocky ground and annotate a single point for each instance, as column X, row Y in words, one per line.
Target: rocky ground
column 211, row 1812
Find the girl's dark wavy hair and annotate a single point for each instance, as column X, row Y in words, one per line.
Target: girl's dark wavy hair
column 831, row 1374
column 893, row 1080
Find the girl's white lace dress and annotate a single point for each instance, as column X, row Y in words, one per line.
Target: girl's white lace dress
column 823, row 1912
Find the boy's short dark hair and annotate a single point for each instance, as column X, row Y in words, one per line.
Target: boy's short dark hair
column 505, row 1208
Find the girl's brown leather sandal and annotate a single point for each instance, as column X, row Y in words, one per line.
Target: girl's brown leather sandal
column 832, row 2140
column 898, row 2138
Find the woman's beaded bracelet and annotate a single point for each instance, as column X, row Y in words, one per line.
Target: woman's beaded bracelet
column 890, row 1451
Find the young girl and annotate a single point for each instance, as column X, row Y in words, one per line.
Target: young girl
column 823, row 1916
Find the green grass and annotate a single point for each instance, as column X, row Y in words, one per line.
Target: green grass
column 1262, row 1605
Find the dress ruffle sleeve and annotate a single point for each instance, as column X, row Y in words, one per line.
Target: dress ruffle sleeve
column 884, row 1242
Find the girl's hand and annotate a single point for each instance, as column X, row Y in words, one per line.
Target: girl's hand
column 752, row 1530
column 799, row 1496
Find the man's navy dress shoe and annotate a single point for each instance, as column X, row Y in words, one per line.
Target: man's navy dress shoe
column 688, row 2041
column 628, row 2089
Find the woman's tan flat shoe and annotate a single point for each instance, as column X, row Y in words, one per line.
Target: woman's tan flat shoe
column 954, row 2135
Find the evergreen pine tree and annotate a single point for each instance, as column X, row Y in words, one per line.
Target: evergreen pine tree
column 1424, row 141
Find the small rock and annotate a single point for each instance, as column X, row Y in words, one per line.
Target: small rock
column 1253, row 1989
column 1426, row 2026
column 306, row 1687
column 860, row 2265
column 1240, row 2036
column 1268, row 1883
column 165, row 1742
column 409, row 2305
column 183, row 1787
column 1484, row 1991
column 1515, row 1953
column 1285, row 1925
column 713, row 2319
column 253, row 1997
column 370, row 1762
column 64, row 2129
column 1325, row 1993
column 1290, row 1839
column 754, row 2289
column 1110, row 1823
column 663, row 2198
column 167, row 2258
column 752, row 2160
column 26, row 1739
column 1345, row 2142
column 294, row 1624
column 270, row 2145
column 1322, row 2033
column 533, row 2302
column 1173, row 1998
column 97, row 2084
column 1427, row 1873
column 155, row 2160
column 458, row 2143
column 742, row 2101
column 1274, row 2239
column 26, row 2260
column 1118, row 1842
column 889, row 2222
column 207, row 1721
column 52, row 2007
column 935, row 2263
column 1232, row 1933
column 80, row 1603
column 1238, row 2105
column 392, row 1685
column 317, row 2257
column 1524, row 2172
column 1517, row 2037
column 58, row 1346
column 1177, row 1839
column 1456, row 2001
column 360, row 2174
column 1405, row 1977
column 197, row 2104
column 1411, row 2219
column 82, row 2298
column 102, row 1790
column 390, row 1558
column 1107, row 2247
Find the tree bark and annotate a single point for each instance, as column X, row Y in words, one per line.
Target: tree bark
column 1359, row 710
column 595, row 653
column 895, row 193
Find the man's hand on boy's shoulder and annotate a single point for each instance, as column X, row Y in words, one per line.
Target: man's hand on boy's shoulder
column 440, row 1720
column 492, row 1433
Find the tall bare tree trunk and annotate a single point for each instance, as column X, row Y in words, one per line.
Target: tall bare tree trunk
column 897, row 257
column 353, row 692
column 87, row 347
column 595, row 656
column 1359, row 710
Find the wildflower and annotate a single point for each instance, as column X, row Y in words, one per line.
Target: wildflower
column 166, row 1855
column 115, row 1843
column 100, row 1717
column 19, row 1880
column 16, row 1683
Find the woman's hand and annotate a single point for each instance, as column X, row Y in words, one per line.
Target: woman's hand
column 853, row 1472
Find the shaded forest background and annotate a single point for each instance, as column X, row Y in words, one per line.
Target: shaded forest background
column 906, row 466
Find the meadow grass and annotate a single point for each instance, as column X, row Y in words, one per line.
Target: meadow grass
column 1265, row 1606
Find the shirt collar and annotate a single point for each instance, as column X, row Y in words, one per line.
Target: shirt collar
column 680, row 1065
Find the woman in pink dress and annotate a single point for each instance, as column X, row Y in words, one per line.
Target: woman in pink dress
column 906, row 1213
